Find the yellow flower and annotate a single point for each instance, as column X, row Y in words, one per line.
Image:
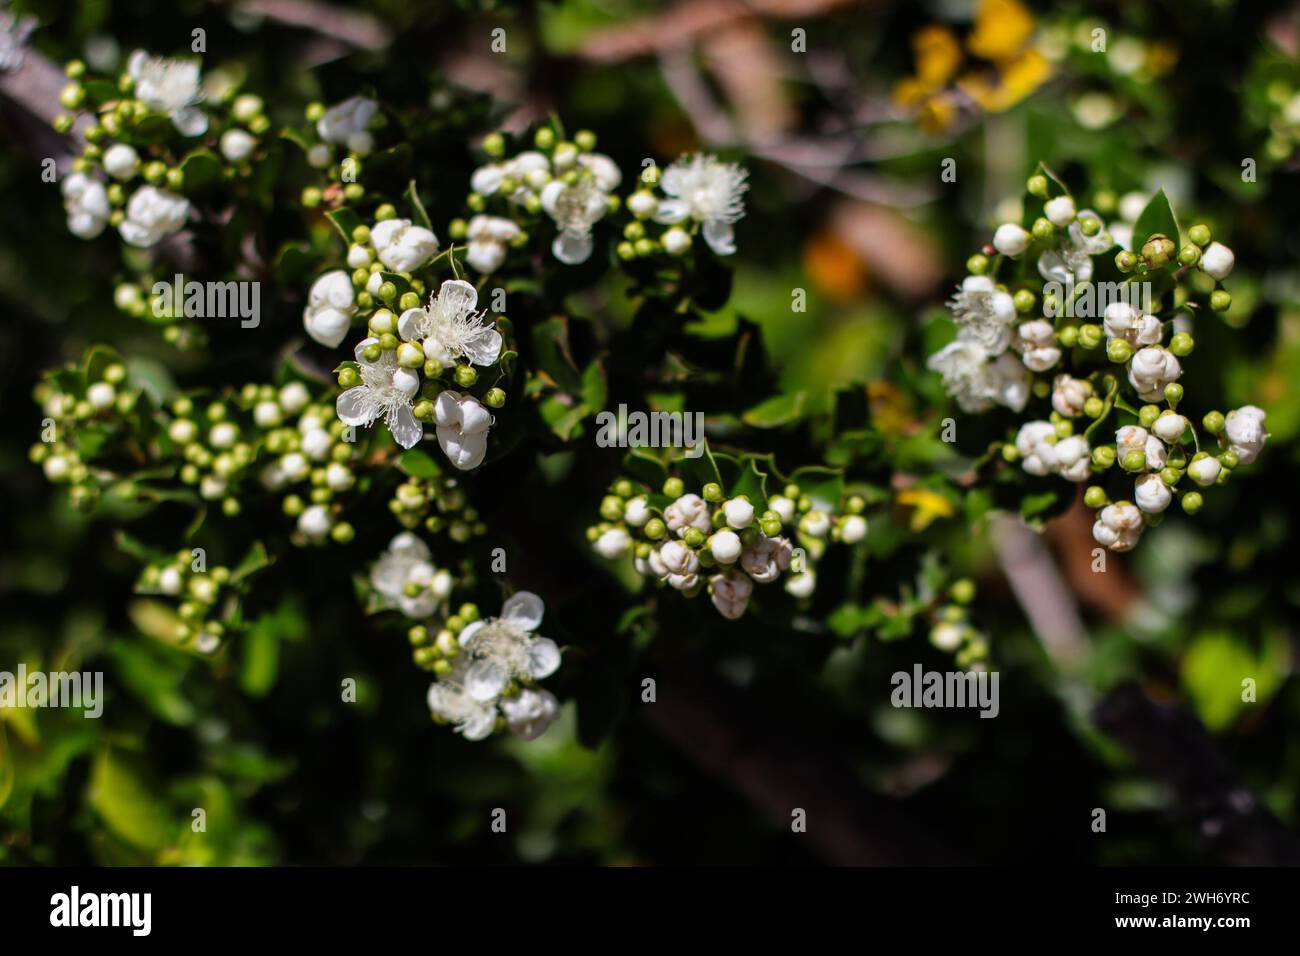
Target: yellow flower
column 1002, row 27
column 938, row 54
column 929, row 506
column 1014, row 81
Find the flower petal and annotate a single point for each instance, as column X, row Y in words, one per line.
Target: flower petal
column 524, row 609
column 406, row 428
column 720, row 236
column 572, row 249
column 543, row 658
column 357, row 406
column 457, row 297
column 485, row 680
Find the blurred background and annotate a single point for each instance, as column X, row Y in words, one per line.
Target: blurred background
column 1119, row 690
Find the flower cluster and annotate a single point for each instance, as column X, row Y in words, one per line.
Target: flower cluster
column 566, row 181
column 691, row 542
column 205, row 609
column 405, row 578
column 440, row 504
column 151, row 144
column 1146, row 293
column 487, row 670
column 697, row 195
column 335, row 141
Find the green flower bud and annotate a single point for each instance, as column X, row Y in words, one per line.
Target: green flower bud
column 1119, row 351
column 713, row 492
column 1068, row 336
column 655, row 528
column 1037, row 186
column 1042, row 228
column 495, row 398
column 1090, row 336
column 385, row 212
column 611, row 508
column 1220, row 300
column 1230, row 459
column 1125, row 261
column 1095, row 497
column 585, row 140
column 1158, row 250
column 1182, row 344
column 1134, row 460
column 1173, row 394
column 1148, row 414
column 311, row 196
column 977, row 263
column 1192, row 502
column 1213, row 422
column 693, row 537
column 771, row 524
column 1189, row 256
column 1024, row 301
column 1199, row 234
column 1093, row 406
column 674, row 487
column 494, row 144
column 1089, row 225
column 465, row 375
column 544, row 138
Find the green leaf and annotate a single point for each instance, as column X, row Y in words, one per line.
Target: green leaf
column 200, row 170
column 776, row 411
column 417, row 207
column 418, row 464
column 825, row 486
column 1215, row 666
column 593, row 386
column 127, row 803
column 551, row 340
column 751, row 482
column 255, row 560
column 645, row 468
column 345, row 221
column 700, row 470
column 1158, row 216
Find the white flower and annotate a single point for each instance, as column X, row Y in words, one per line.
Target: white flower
column 1010, row 239
column 1118, row 526
column 449, row 328
column 1072, row 262
column 1245, row 430
column 1036, row 444
column 637, row 511
column 86, row 203
column 709, row 192
column 315, row 523
column 687, row 511
column 121, row 161
column 530, row 171
column 1036, row 341
column 237, row 145
column 448, row 700
column 345, row 120
column 1152, row 494
column 1072, row 458
column 739, row 512
column 1059, row 211
column 801, row 585
column 1151, row 369
column 1169, row 427
column 386, row 390
column 329, row 309
column 766, row 559
column 675, row 563
column 152, row 215
column 976, row 382
column 531, row 713
column 613, row 543
column 403, row 246
column 489, row 240
column 407, row 561
column 1217, row 260
column 101, row 395
column 575, row 207
column 170, row 87
column 1205, row 471
column 503, row 649
column 983, row 314
column 603, row 170
column 730, row 593
column 1069, row 395
column 1123, row 321
column 463, row 425
column 725, row 546
column 947, row 636
column 853, row 529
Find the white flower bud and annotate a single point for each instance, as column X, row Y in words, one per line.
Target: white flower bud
column 403, row 246
column 730, row 594
column 766, row 558
column 1036, row 341
column 56, row 467
column 237, row 145
column 783, row 506
column 815, row 524
column 947, row 636
column 725, row 546
column 361, row 143
column 1118, row 526
column 212, row 487
column 1217, row 260
column 315, row 522
column 1072, row 458
column 359, row 257
column 1035, row 442
column 642, row 204
column 676, row 241
column 339, row 477
column 319, row 156
column 853, row 529
column 739, row 512
column 688, row 511
column 1069, row 395
column 1170, row 427
column 169, row 581
column 223, row 435
column 613, row 543
column 637, row 511
column 329, row 309
column 121, row 161
column 1205, row 471
column 316, row 444
column 267, row 414
column 1152, row 494
column 1010, row 239
column 802, row 585
column 294, row 397
column 182, row 431
column 1151, row 369
column 1245, row 430
column 101, row 395
column 1059, row 211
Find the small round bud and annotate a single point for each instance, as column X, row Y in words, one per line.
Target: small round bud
column 977, row 264
column 1037, row 186
column 1125, row 261
column 1182, row 344
column 1095, row 497
column 1199, row 234
column 674, row 487
column 1220, row 300
column 1134, row 460
column 1173, row 393
column 1213, row 422
column 1118, row 350
column 1192, row 502
column 1024, row 301
column 1189, row 256
column 655, row 528
column 713, row 492
column 1090, row 336
column 465, row 375
column 495, row 398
